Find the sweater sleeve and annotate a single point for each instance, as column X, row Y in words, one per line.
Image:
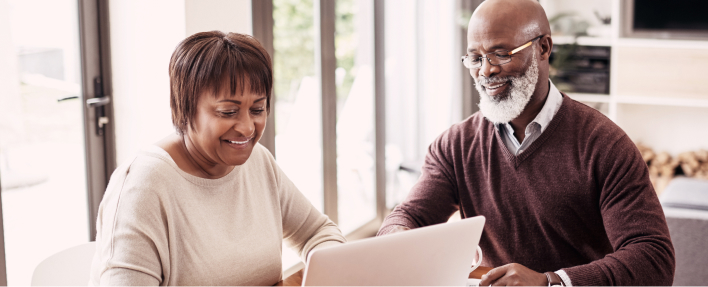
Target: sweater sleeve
column 634, row 222
column 304, row 227
column 132, row 236
column 433, row 199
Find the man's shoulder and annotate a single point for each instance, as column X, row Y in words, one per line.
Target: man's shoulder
column 592, row 130
column 464, row 134
column 463, row 137
column 588, row 121
column 473, row 126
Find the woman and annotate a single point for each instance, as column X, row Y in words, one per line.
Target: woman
column 207, row 205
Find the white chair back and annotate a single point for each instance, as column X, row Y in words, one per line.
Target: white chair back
column 69, row 267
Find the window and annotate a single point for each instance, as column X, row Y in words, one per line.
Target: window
column 342, row 99
column 298, row 120
column 53, row 154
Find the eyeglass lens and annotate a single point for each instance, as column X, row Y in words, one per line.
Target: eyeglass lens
column 496, row 59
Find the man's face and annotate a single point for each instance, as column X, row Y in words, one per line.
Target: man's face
column 504, row 90
column 508, row 95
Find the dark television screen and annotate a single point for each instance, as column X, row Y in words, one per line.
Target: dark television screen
column 673, row 15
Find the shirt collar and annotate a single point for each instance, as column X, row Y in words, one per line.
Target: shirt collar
column 550, row 108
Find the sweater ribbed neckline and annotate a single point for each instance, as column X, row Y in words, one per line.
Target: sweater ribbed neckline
column 159, row 153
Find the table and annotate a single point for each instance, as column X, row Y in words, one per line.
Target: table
column 296, row 278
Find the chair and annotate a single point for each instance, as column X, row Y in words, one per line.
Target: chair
column 69, row 267
column 685, row 202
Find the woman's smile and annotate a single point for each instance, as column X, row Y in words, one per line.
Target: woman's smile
column 239, row 143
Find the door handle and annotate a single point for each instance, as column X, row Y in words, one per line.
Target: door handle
column 98, row 102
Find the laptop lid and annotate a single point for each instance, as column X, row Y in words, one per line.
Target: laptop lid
column 435, row 255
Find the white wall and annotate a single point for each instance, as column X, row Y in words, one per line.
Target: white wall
column 143, row 36
column 224, row 15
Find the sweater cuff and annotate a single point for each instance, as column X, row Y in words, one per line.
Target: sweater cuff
column 322, row 245
column 387, row 229
column 565, row 278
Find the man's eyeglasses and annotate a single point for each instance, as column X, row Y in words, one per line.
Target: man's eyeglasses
column 496, row 58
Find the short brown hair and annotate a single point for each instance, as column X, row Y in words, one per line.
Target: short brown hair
column 205, row 61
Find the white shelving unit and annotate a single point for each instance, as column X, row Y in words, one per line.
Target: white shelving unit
column 593, row 98
column 583, row 40
column 658, row 91
column 676, row 102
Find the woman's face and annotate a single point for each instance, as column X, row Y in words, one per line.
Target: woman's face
column 226, row 126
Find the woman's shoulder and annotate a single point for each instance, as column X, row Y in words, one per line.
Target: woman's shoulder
column 139, row 182
column 151, row 169
column 153, row 163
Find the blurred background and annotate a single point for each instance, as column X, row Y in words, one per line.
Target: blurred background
column 362, row 87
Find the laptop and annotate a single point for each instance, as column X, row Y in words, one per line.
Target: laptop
column 435, row 255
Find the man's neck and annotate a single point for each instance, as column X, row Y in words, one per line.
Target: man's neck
column 538, row 100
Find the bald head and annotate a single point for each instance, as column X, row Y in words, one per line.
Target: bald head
column 505, row 25
column 524, row 18
column 510, row 40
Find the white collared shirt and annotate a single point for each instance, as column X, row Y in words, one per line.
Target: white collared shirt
column 535, row 127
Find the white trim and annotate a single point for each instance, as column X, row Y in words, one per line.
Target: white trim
column 583, row 41
column 661, row 43
column 595, row 98
column 662, row 101
column 565, row 278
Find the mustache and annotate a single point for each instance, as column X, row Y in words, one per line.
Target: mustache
column 481, row 80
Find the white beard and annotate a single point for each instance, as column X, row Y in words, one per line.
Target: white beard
column 507, row 106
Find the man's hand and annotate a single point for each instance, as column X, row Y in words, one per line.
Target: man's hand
column 513, row 275
column 398, row 228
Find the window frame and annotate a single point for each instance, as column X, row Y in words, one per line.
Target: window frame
column 325, row 65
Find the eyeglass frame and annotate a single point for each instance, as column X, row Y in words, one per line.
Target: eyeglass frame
column 512, row 52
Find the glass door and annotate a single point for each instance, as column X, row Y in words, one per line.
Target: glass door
column 297, row 103
column 356, row 138
column 44, row 132
column 329, row 136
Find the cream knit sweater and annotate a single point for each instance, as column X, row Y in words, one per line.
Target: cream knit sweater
column 158, row 225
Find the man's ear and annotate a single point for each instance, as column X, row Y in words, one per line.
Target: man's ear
column 546, row 47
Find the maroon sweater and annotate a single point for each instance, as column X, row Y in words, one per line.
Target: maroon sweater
column 578, row 199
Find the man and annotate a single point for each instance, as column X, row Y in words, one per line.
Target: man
column 564, row 190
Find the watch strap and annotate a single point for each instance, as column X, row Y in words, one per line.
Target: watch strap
column 554, row 279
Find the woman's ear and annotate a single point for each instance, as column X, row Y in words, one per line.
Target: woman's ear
column 546, row 47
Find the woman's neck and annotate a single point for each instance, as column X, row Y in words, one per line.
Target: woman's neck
column 191, row 159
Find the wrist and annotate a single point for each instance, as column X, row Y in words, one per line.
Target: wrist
column 398, row 228
column 553, row 279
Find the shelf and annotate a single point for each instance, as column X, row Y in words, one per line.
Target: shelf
column 594, row 98
column 663, row 101
column 662, row 43
column 583, row 41
column 641, row 100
